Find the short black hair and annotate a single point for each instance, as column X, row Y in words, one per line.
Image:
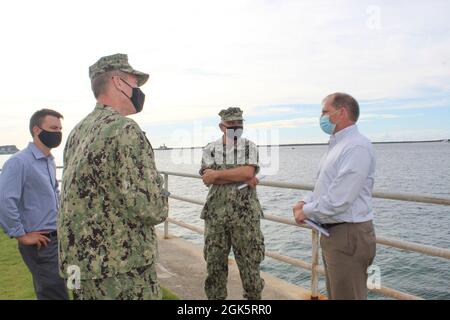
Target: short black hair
column 340, row 100
column 38, row 117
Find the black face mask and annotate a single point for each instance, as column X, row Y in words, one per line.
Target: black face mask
column 234, row 131
column 137, row 97
column 50, row 139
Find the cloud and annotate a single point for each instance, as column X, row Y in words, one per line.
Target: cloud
column 206, row 73
column 290, row 123
column 206, row 55
column 412, row 104
column 371, row 116
column 270, row 110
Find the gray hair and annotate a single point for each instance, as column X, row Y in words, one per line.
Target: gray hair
column 343, row 100
column 100, row 83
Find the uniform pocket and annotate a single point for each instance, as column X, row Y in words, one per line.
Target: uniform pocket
column 259, row 247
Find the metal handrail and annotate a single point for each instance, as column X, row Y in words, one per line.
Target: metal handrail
column 410, row 197
column 314, row 266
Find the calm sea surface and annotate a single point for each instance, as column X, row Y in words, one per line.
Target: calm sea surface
column 422, row 168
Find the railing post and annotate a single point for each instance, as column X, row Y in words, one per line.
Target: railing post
column 315, row 265
column 166, row 223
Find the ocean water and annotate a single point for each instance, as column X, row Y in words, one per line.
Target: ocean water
column 422, row 168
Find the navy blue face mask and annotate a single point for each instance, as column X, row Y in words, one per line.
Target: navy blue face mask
column 137, row 97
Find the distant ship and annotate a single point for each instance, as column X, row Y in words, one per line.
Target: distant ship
column 10, row 149
column 163, row 147
column 445, row 141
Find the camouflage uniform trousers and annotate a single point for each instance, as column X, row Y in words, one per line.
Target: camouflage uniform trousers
column 247, row 241
column 137, row 284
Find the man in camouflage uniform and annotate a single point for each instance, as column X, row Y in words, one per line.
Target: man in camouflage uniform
column 112, row 195
column 232, row 216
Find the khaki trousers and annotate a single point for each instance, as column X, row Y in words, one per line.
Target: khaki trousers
column 347, row 253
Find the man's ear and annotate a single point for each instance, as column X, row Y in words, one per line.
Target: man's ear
column 222, row 127
column 117, row 82
column 36, row 131
column 346, row 113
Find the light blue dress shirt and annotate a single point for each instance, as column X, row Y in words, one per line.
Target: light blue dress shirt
column 343, row 190
column 29, row 194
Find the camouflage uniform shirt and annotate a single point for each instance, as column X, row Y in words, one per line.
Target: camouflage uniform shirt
column 226, row 202
column 111, row 197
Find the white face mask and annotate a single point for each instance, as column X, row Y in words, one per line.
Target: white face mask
column 233, row 132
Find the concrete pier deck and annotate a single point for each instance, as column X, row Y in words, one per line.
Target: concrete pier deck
column 182, row 269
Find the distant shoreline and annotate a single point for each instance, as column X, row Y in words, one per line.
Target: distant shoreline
column 317, row 144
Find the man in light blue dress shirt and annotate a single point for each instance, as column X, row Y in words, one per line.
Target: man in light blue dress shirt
column 29, row 203
column 342, row 200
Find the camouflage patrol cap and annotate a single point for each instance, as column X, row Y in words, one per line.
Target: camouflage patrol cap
column 231, row 114
column 117, row 61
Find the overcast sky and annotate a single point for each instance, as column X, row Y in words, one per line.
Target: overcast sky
column 274, row 59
